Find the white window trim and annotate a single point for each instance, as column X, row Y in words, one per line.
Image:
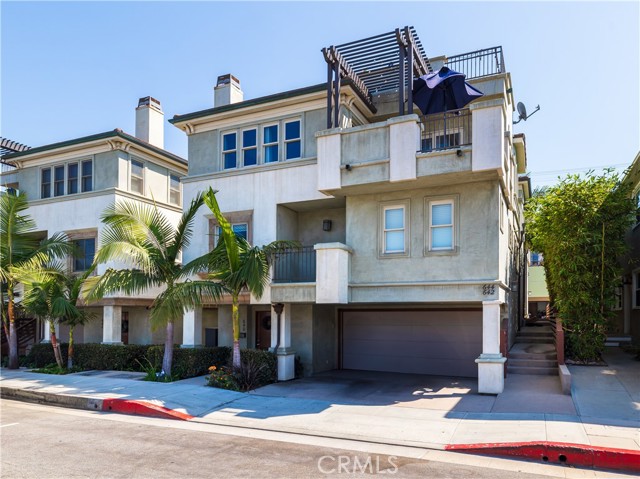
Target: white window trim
column 81, row 176
column 392, row 205
column 80, row 235
column 635, row 275
column 78, row 177
column 454, row 200
column 53, row 180
column 224, row 152
column 65, row 186
column 131, row 175
column 50, row 168
column 277, row 143
column 292, row 140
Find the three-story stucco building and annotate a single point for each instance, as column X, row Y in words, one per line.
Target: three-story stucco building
column 413, row 258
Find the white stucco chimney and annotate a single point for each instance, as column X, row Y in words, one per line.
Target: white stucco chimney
column 150, row 121
column 227, row 91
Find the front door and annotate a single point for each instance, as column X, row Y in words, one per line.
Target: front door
column 124, row 328
column 263, row 330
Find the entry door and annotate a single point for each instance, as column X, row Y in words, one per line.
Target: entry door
column 263, row 330
column 124, row 328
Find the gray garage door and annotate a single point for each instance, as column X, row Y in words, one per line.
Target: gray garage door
column 420, row 342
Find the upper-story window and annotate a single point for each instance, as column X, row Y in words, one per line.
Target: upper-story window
column 240, row 229
column 45, row 183
column 441, row 235
column 63, row 179
column 174, row 189
column 137, row 177
column 262, row 144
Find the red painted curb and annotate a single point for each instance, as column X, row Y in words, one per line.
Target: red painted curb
column 142, row 408
column 558, row 453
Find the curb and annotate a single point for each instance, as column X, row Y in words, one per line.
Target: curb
column 122, row 406
column 568, row 454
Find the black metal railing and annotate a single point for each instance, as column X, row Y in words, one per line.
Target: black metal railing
column 445, row 130
column 479, row 63
column 296, row 265
column 6, row 167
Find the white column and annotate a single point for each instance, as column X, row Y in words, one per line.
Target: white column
column 491, row 362
column 332, row 273
column 46, row 334
column 282, row 332
column 404, row 141
column 192, row 329
column 112, row 325
column 329, row 160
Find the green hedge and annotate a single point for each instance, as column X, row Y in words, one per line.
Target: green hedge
column 267, row 375
column 187, row 363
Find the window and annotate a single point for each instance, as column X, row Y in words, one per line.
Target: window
column 240, row 229
column 137, row 177
column 174, row 189
column 394, row 226
column 249, row 147
column 636, row 289
column 72, row 178
column 441, row 232
column 45, row 183
column 229, row 158
column 87, row 176
column 618, row 297
column 58, row 180
column 292, row 139
column 86, row 251
column 270, row 142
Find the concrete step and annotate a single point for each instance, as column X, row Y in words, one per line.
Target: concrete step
column 532, row 363
column 537, row 371
column 533, row 351
column 535, row 332
column 534, row 340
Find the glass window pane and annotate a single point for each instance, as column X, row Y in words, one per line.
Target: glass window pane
column 229, row 141
column 250, row 157
column 442, row 238
column 230, row 160
column 441, row 215
column 394, row 241
column 87, row 177
column 271, row 154
column 58, row 182
column 292, row 130
column 86, row 168
column 46, row 175
column 271, row 134
column 45, row 184
column 136, row 168
column 394, row 218
column 175, row 182
column 72, row 172
column 240, row 230
column 249, row 138
column 293, row 150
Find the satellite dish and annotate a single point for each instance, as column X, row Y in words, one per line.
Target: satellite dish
column 522, row 112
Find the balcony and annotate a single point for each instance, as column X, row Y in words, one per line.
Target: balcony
column 318, row 273
column 478, row 64
column 447, row 130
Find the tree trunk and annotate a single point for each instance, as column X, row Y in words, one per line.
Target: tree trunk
column 235, row 317
column 167, row 359
column 56, row 346
column 13, row 335
column 70, row 351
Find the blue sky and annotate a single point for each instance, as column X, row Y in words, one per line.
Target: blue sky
column 70, row 69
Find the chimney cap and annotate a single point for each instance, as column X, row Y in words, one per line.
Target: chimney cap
column 227, row 79
column 149, row 101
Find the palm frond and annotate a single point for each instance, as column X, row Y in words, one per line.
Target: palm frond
column 128, row 281
column 227, row 236
column 184, row 231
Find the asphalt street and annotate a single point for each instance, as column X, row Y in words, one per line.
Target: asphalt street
column 49, row 442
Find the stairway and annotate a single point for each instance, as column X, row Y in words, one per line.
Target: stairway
column 26, row 330
column 534, row 351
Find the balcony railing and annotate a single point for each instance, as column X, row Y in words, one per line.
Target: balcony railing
column 296, row 265
column 6, row 167
column 479, row 63
column 445, row 130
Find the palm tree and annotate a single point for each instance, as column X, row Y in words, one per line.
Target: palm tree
column 236, row 266
column 21, row 250
column 143, row 238
column 74, row 315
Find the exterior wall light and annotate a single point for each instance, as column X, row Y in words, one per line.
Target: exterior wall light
column 326, row 225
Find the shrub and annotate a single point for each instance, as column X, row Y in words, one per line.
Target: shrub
column 192, row 362
column 263, row 363
column 258, row 369
column 222, row 378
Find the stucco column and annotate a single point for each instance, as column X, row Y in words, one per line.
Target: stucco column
column 192, row 328
column 225, row 326
column 332, row 273
column 282, row 334
column 491, row 362
column 112, row 325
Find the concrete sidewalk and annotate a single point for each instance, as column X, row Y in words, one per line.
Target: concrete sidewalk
column 606, row 416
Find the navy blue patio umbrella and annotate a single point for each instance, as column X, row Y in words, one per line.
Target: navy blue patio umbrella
column 442, row 91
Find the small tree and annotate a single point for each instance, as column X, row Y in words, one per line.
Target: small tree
column 21, row 250
column 579, row 226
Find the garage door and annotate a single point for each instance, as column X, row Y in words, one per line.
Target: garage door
column 420, row 342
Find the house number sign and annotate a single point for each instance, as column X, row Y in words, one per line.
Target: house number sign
column 488, row 289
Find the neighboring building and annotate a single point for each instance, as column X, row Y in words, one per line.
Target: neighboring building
column 413, row 254
column 627, row 324
column 69, row 185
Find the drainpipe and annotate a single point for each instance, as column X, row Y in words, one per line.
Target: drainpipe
column 278, row 307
